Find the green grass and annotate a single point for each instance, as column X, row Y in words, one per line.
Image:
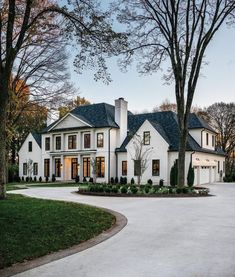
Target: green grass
column 25, row 185
column 31, row 228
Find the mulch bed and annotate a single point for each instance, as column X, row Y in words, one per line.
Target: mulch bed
column 180, row 195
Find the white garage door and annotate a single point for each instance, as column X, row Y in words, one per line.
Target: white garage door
column 204, row 175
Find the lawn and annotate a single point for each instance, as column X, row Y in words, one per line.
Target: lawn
column 25, row 185
column 31, row 228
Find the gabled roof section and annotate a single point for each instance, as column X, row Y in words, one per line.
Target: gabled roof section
column 38, row 139
column 98, row 115
column 195, row 122
column 166, row 123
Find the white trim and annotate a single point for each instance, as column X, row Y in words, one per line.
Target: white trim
column 76, row 117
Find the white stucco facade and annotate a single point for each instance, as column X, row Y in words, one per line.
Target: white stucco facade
column 71, row 145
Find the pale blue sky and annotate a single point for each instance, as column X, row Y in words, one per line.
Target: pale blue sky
column 145, row 92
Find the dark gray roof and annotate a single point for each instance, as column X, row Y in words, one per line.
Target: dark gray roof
column 166, row 124
column 96, row 115
column 195, row 122
column 38, row 138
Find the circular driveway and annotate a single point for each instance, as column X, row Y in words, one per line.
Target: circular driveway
column 164, row 237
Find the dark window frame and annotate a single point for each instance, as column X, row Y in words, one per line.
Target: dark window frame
column 46, row 167
column 87, row 143
column 58, row 143
column 72, row 142
column 35, row 169
column 146, row 138
column 124, row 168
column 24, row 168
column 100, row 142
column 57, row 167
column 137, row 167
column 156, row 168
column 30, row 146
column 87, row 172
column 207, row 139
column 47, row 144
column 218, row 166
column 100, row 171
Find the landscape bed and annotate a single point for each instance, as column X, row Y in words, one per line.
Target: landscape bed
column 31, row 227
column 142, row 191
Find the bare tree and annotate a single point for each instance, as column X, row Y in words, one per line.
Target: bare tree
column 140, row 156
column 222, row 118
column 178, row 32
column 93, row 164
column 80, row 22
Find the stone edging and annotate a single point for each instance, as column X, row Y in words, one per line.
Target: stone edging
column 120, row 223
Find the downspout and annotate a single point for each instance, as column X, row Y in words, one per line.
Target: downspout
column 109, row 157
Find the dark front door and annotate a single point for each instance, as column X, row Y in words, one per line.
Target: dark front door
column 74, row 168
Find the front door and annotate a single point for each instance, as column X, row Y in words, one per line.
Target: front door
column 74, row 168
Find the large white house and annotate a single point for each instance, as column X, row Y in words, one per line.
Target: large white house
column 103, row 137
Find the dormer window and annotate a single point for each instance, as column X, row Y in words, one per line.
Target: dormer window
column 146, row 138
column 207, row 138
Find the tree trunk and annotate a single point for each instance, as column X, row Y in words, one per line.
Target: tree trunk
column 183, row 134
column 3, row 120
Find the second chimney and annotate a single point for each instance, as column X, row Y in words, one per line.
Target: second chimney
column 121, row 114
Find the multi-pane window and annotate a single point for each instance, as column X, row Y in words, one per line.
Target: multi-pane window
column 100, row 140
column 35, row 169
column 155, row 167
column 47, row 144
column 24, row 168
column 124, row 168
column 72, row 139
column 86, row 167
column 58, row 143
column 100, row 167
column 46, row 167
column 57, row 167
column 137, row 167
column 30, row 146
column 87, row 140
column 207, row 138
column 146, row 138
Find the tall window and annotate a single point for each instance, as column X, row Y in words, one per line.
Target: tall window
column 218, row 166
column 46, row 167
column 72, row 142
column 30, row 146
column 35, row 169
column 146, row 138
column 207, row 138
column 100, row 167
column 86, row 167
column 87, row 140
column 155, row 167
column 124, row 168
column 100, row 140
column 57, row 167
column 24, row 168
column 213, row 141
column 47, row 144
column 58, row 143
column 137, row 167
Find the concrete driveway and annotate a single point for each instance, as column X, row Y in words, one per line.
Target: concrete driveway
column 164, row 237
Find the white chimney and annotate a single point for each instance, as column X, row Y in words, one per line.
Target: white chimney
column 52, row 116
column 121, row 119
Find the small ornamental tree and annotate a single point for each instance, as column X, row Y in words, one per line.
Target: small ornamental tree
column 174, row 174
column 190, row 177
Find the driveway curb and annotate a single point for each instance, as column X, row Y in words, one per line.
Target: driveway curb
column 120, row 223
